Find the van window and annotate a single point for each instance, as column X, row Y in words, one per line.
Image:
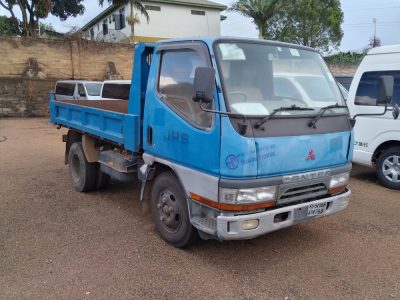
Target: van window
column 176, row 84
column 116, row 91
column 81, row 90
column 66, row 89
column 367, row 91
column 93, row 89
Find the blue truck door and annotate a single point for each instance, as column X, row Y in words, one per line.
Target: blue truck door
column 175, row 128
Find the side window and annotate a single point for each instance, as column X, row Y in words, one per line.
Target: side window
column 367, row 91
column 81, row 90
column 176, row 85
column 66, row 89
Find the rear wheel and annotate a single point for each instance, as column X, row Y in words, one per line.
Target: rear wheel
column 102, row 179
column 82, row 173
column 170, row 212
column 388, row 168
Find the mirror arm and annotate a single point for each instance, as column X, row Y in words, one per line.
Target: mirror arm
column 242, row 126
column 365, row 115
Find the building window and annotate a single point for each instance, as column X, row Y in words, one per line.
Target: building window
column 110, row 19
column 92, row 34
column 105, row 27
column 175, row 83
column 119, row 19
column 153, row 7
column 368, row 90
column 198, row 12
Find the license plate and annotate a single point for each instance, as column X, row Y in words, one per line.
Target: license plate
column 316, row 209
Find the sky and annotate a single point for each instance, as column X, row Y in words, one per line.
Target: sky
column 358, row 22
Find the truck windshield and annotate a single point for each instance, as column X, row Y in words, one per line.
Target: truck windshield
column 260, row 78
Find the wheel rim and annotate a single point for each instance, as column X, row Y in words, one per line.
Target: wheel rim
column 391, row 168
column 169, row 210
column 75, row 168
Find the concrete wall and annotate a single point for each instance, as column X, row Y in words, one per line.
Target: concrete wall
column 23, row 97
column 64, row 59
column 343, row 70
column 30, row 67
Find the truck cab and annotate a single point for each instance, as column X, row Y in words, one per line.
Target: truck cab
column 377, row 136
column 233, row 138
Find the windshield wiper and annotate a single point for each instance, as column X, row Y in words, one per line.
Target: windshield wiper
column 321, row 113
column 275, row 111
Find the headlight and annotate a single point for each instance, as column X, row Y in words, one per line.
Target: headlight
column 339, row 180
column 247, row 196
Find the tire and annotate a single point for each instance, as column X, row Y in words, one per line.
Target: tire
column 170, row 211
column 83, row 174
column 102, row 179
column 388, row 168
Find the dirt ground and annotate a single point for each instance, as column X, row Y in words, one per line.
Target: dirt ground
column 56, row 243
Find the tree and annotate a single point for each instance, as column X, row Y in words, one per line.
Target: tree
column 313, row 23
column 261, row 11
column 374, row 42
column 34, row 10
column 9, row 26
column 133, row 18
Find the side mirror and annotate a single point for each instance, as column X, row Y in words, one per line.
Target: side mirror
column 385, row 89
column 203, row 86
column 396, row 111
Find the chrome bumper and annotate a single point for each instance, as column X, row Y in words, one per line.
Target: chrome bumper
column 230, row 227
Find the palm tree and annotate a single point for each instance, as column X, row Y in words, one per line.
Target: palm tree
column 132, row 19
column 261, row 11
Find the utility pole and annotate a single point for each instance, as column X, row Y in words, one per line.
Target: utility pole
column 374, row 43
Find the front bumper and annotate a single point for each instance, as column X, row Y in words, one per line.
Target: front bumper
column 230, row 227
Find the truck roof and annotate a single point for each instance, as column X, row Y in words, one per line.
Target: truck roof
column 384, row 49
column 211, row 39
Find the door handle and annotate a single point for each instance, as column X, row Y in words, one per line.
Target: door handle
column 150, row 136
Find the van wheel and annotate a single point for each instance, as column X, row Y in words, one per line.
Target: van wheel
column 170, row 212
column 388, row 168
column 82, row 173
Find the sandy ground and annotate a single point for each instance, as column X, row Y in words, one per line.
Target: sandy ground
column 56, row 243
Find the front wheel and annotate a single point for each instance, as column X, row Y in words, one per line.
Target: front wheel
column 388, row 168
column 170, row 212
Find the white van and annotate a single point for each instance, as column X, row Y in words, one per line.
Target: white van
column 377, row 137
column 116, row 90
column 78, row 90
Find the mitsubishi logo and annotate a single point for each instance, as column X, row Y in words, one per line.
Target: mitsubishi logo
column 311, row 155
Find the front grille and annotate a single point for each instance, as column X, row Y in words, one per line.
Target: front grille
column 308, row 192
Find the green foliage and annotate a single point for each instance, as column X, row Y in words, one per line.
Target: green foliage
column 67, row 8
column 261, row 11
column 34, row 10
column 346, row 58
column 9, row 26
column 313, row 23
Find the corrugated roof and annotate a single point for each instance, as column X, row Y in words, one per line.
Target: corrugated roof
column 194, row 3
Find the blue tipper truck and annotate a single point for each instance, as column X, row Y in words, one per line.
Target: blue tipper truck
column 231, row 138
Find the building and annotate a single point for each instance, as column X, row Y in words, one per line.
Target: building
column 168, row 19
